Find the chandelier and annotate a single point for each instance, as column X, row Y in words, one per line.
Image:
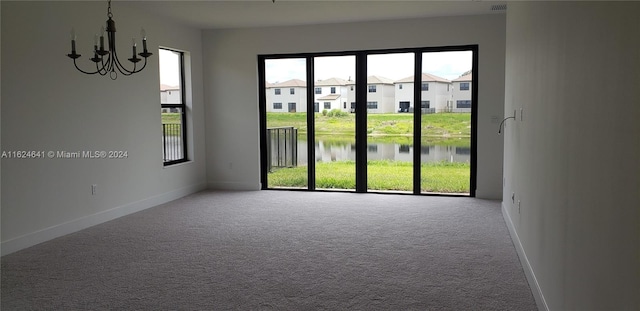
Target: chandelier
column 107, row 61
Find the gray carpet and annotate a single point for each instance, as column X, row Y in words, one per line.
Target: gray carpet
column 279, row 250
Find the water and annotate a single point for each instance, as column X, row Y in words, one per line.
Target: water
column 332, row 151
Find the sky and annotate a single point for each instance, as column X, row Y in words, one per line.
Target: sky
column 449, row 65
column 169, row 67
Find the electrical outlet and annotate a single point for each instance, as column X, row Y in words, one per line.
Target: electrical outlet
column 94, row 189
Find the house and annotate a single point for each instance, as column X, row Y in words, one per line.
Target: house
column 436, row 94
column 380, row 95
column 331, row 93
column 287, row 96
column 565, row 168
column 462, row 87
column 169, row 94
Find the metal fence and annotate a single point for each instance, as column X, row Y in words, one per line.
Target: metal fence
column 172, row 142
column 282, row 147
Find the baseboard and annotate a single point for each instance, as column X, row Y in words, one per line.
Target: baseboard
column 238, row 186
column 528, row 271
column 31, row 239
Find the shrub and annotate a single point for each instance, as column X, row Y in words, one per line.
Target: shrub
column 324, row 112
column 337, row 113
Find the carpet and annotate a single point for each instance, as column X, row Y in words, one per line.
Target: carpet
column 279, row 250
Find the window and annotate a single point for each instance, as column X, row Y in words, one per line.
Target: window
column 292, row 91
column 292, row 107
column 172, row 106
column 277, row 105
column 276, row 91
column 357, row 150
column 463, row 104
column 464, row 86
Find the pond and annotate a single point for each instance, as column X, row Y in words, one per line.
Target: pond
column 333, row 151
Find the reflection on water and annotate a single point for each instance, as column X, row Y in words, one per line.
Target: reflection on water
column 331, row 151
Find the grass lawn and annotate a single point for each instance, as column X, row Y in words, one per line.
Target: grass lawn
column 392, row 124
column 172, row 118
column 442, row 177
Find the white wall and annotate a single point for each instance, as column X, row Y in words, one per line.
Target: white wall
column 231, row 84
column 49, row 105
column 574, row 160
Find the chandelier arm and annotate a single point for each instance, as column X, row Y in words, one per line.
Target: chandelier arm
column 102, row 70
column 143, row 65
column 83, row 71
column 116, row 61
column 120, row 67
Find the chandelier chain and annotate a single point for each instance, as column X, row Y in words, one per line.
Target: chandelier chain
column 109, row 14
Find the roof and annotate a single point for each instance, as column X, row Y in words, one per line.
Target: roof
column 330, row 97
column 288, row 83
column 378, row 80
column 426, row 77
column 466, row 77
column 332, row 82
column 164, row 87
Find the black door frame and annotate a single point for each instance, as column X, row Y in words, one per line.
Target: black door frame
column 361, row 114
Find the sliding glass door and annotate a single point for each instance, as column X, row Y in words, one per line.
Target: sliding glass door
column 379, row 121
column 390, row 122
column 334, row 122
column 446, row 128
column 285, row 111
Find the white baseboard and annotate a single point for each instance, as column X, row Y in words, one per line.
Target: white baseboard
column 237, row 186
column 528, row 271
column 31, row 239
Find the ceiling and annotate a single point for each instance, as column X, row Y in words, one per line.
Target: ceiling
column 214, row 14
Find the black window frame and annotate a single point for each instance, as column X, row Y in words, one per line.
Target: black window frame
column 277, row 106
column 182, row 106
column 464, row 86
column 292, row 91
column 277, row 91
column 361, row 91
column 372, row 88
column 318, row 90
column 424, row 86
column 333, row 90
